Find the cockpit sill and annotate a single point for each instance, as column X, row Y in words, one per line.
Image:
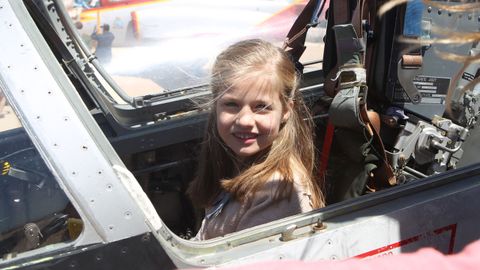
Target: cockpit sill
column 278, row 236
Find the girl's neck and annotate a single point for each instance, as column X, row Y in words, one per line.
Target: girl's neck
column 243, row 163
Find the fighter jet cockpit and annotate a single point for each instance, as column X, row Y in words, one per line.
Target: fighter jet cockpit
column 104, row 104
column 146, row 97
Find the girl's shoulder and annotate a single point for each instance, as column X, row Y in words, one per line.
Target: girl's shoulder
column 297, row 186
column 299, row 177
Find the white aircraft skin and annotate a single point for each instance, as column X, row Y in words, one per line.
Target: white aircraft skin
column 114, row 207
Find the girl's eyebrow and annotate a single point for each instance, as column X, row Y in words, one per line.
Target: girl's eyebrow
column 228, row 97
column 266, row 100
column 263, row 99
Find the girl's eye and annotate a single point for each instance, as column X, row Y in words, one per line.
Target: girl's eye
column 263, row 107
column 230, row 104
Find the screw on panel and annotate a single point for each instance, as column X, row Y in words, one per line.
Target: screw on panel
column 84, row 147
column 73, row 264
column 99, row 257
column 128, row 215
column 146, row 237
column 111, row 227
column 319, row 226
column 429, row 9
column 109, row 187
column 439, row 12
column 416, row 98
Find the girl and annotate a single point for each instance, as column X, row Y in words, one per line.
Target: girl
column 258, row 156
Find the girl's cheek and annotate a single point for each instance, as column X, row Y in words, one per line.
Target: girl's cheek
column 269, row 122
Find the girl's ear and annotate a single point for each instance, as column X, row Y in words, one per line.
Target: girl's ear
column 287, row 111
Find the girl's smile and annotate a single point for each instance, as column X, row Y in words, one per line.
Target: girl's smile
column 248, row 121
column 246, row 137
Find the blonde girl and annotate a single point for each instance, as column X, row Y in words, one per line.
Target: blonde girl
column 257, row 159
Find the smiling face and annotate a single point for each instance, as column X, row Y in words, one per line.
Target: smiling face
column 248, row 120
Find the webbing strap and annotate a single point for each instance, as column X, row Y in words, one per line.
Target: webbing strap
column 295, row 41
column 349, row 106
column 327, row 145
column 350, row 50
column 341, row 16
column 341, row 12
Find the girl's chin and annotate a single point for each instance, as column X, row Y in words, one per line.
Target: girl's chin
column 246, row 153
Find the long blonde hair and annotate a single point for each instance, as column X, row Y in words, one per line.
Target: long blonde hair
column 292, row 152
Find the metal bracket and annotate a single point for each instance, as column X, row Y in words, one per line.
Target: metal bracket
column 405, row 77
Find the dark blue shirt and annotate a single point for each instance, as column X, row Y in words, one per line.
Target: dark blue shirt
column 104, row 46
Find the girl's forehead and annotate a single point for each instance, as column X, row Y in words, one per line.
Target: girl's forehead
column 257, row 87
column 250, row 92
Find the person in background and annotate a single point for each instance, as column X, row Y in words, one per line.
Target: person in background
column 104, row 44
column 257, row 160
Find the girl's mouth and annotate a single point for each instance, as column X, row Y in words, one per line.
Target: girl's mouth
column 245, row 137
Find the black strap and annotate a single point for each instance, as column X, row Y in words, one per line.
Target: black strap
column 295, row 41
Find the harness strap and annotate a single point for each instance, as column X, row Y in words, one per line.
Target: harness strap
column 349, row 106
column 295, row 41
column 327, row 145
column 341, row 16
column 348, row 76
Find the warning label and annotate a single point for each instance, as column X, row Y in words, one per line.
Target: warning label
column 443, row 239
column 432, row 89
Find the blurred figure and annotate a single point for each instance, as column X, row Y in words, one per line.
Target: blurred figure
column 104, row 44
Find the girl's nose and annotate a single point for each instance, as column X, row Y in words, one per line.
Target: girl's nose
column 245, row 118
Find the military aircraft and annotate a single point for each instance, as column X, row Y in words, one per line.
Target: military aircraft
column 94, row 175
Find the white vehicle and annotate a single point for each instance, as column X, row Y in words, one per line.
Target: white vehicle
column 94, row 177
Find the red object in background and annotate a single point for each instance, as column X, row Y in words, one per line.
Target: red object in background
column 114, row 3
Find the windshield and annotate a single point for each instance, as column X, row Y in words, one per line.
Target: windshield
column 150, row 47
